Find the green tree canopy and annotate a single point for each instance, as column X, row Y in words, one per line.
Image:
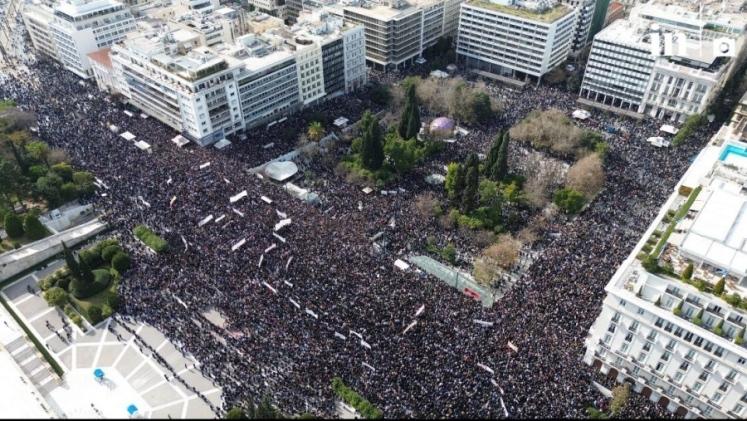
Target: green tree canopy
column 13, row 225
column 39, row 151
column 34, row 229
column 372, row 149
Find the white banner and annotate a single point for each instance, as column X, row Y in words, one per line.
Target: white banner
column 261, row 259
column 237, row 197
column 271, row 248
column 237, row 212
column 239, row 244
column 365, row 344
column 288, row 263
column 281, row 224
column 513, row 347
column 482, row 322
column 410, row 326
column 266, row 200
column 486, row 368
column 369, row 366
column 173, row 199
column 282, row 215
column 169, row 181
column 298, row 306
column 420, row 310
column 205, row 220
column 226, row 180
column 274, row 291
column 279, row 237
column 205, row 165
column 311, row 313
column 288, row 283
column 340, row 335
column 220, row 218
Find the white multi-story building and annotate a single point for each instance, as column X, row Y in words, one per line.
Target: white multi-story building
column 397, row 31
column 679, row 343
column 210, row 92
column 631, row 70
column 71, row 29
column 514, row 39
column 584, row 15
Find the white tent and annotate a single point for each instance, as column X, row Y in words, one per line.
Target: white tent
column 439, row 74
column 281, row 171
column 581, row 114
column 143, row 146
column 222, row 144
column 341, row 122
column 180, row 141
column 128, row 136
column 658, row 141
column 668, row 128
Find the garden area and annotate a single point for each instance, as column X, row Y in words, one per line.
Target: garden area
column 88, row 286
column 150, row 239
column 34, row 178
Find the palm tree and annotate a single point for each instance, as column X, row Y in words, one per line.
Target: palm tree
column 315, row 131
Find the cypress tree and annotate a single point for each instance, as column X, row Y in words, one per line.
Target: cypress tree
column 459, row 183
column 500, row 168
column 409, row 122
column 493, row 154
column 72, row 264
column 469, row 198
column 372, row 151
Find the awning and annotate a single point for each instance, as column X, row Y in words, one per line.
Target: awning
column 143, row 146
column 668, row 128
column 281, row 171
column 222, row 144
column 180, row 140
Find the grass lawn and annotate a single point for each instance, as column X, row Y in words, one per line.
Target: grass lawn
column 98, row 299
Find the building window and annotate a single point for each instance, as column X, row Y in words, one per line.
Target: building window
column 703, row 376
column 697, row 386
column 634, row 326
column 678, row 376
column 628, row 337
column 738, row 409
column 710, row 365
column 690, row 355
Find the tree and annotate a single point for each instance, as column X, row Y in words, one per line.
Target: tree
column 64, row 171
column 72, row 264
column 315, row 131
column 489, row 194
column 687, row 274
column 492, row 154
column 56, row 296
column 10, row 179
column 39, row 151
column 500, row 167
column 95, row 314
column 470, row 196
column 121, row 262
column 481, row 108
column 372, row 150
column 409, row 123
column 264, row 410
column 236, row 413
column 460, row 181
column 568, row 200
column 13, row 225
column 587, row 175
column 50, row 188
column 403, row 154
column 34, row 229
column 718, row 289
column 620, row 395
column 17, row 141
column 450, row 178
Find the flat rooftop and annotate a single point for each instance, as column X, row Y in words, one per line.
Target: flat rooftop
column 548, row 15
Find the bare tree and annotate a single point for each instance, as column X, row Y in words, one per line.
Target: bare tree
column 549, row 129
column 587, row 175
column 426, row 205
column 57, row 155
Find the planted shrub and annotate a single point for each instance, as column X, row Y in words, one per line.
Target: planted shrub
column 56, row 296
column 95, row 314
column 109, row 251
column 150, row 239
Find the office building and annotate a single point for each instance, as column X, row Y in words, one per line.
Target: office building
column 584, row 16
column 514, row 39
column 208, row 93
column 68, row 31
column 632, row 70
column 397, row 32
column 666, row 327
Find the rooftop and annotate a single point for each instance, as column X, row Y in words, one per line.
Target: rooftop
column 548, row 15
column 102, row 57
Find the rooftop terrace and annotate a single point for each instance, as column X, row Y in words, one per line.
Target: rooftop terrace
column 549, row 15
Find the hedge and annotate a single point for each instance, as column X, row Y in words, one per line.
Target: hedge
column 150, row 239
column 352, row 398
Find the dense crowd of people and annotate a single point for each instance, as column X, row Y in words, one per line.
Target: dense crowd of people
column 314, row 300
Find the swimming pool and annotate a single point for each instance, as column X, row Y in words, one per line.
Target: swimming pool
column 733, row 149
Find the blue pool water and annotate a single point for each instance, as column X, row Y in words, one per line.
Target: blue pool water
column 732, row 149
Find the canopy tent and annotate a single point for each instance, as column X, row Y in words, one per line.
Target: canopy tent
column 143, row 146
column 658, row 141
column 281, row 171
column 128, row 136
column 439, row 74
column 581, row 114
column 180, row 141
column 222, row 144
column 668, row 128
column 341, row 122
